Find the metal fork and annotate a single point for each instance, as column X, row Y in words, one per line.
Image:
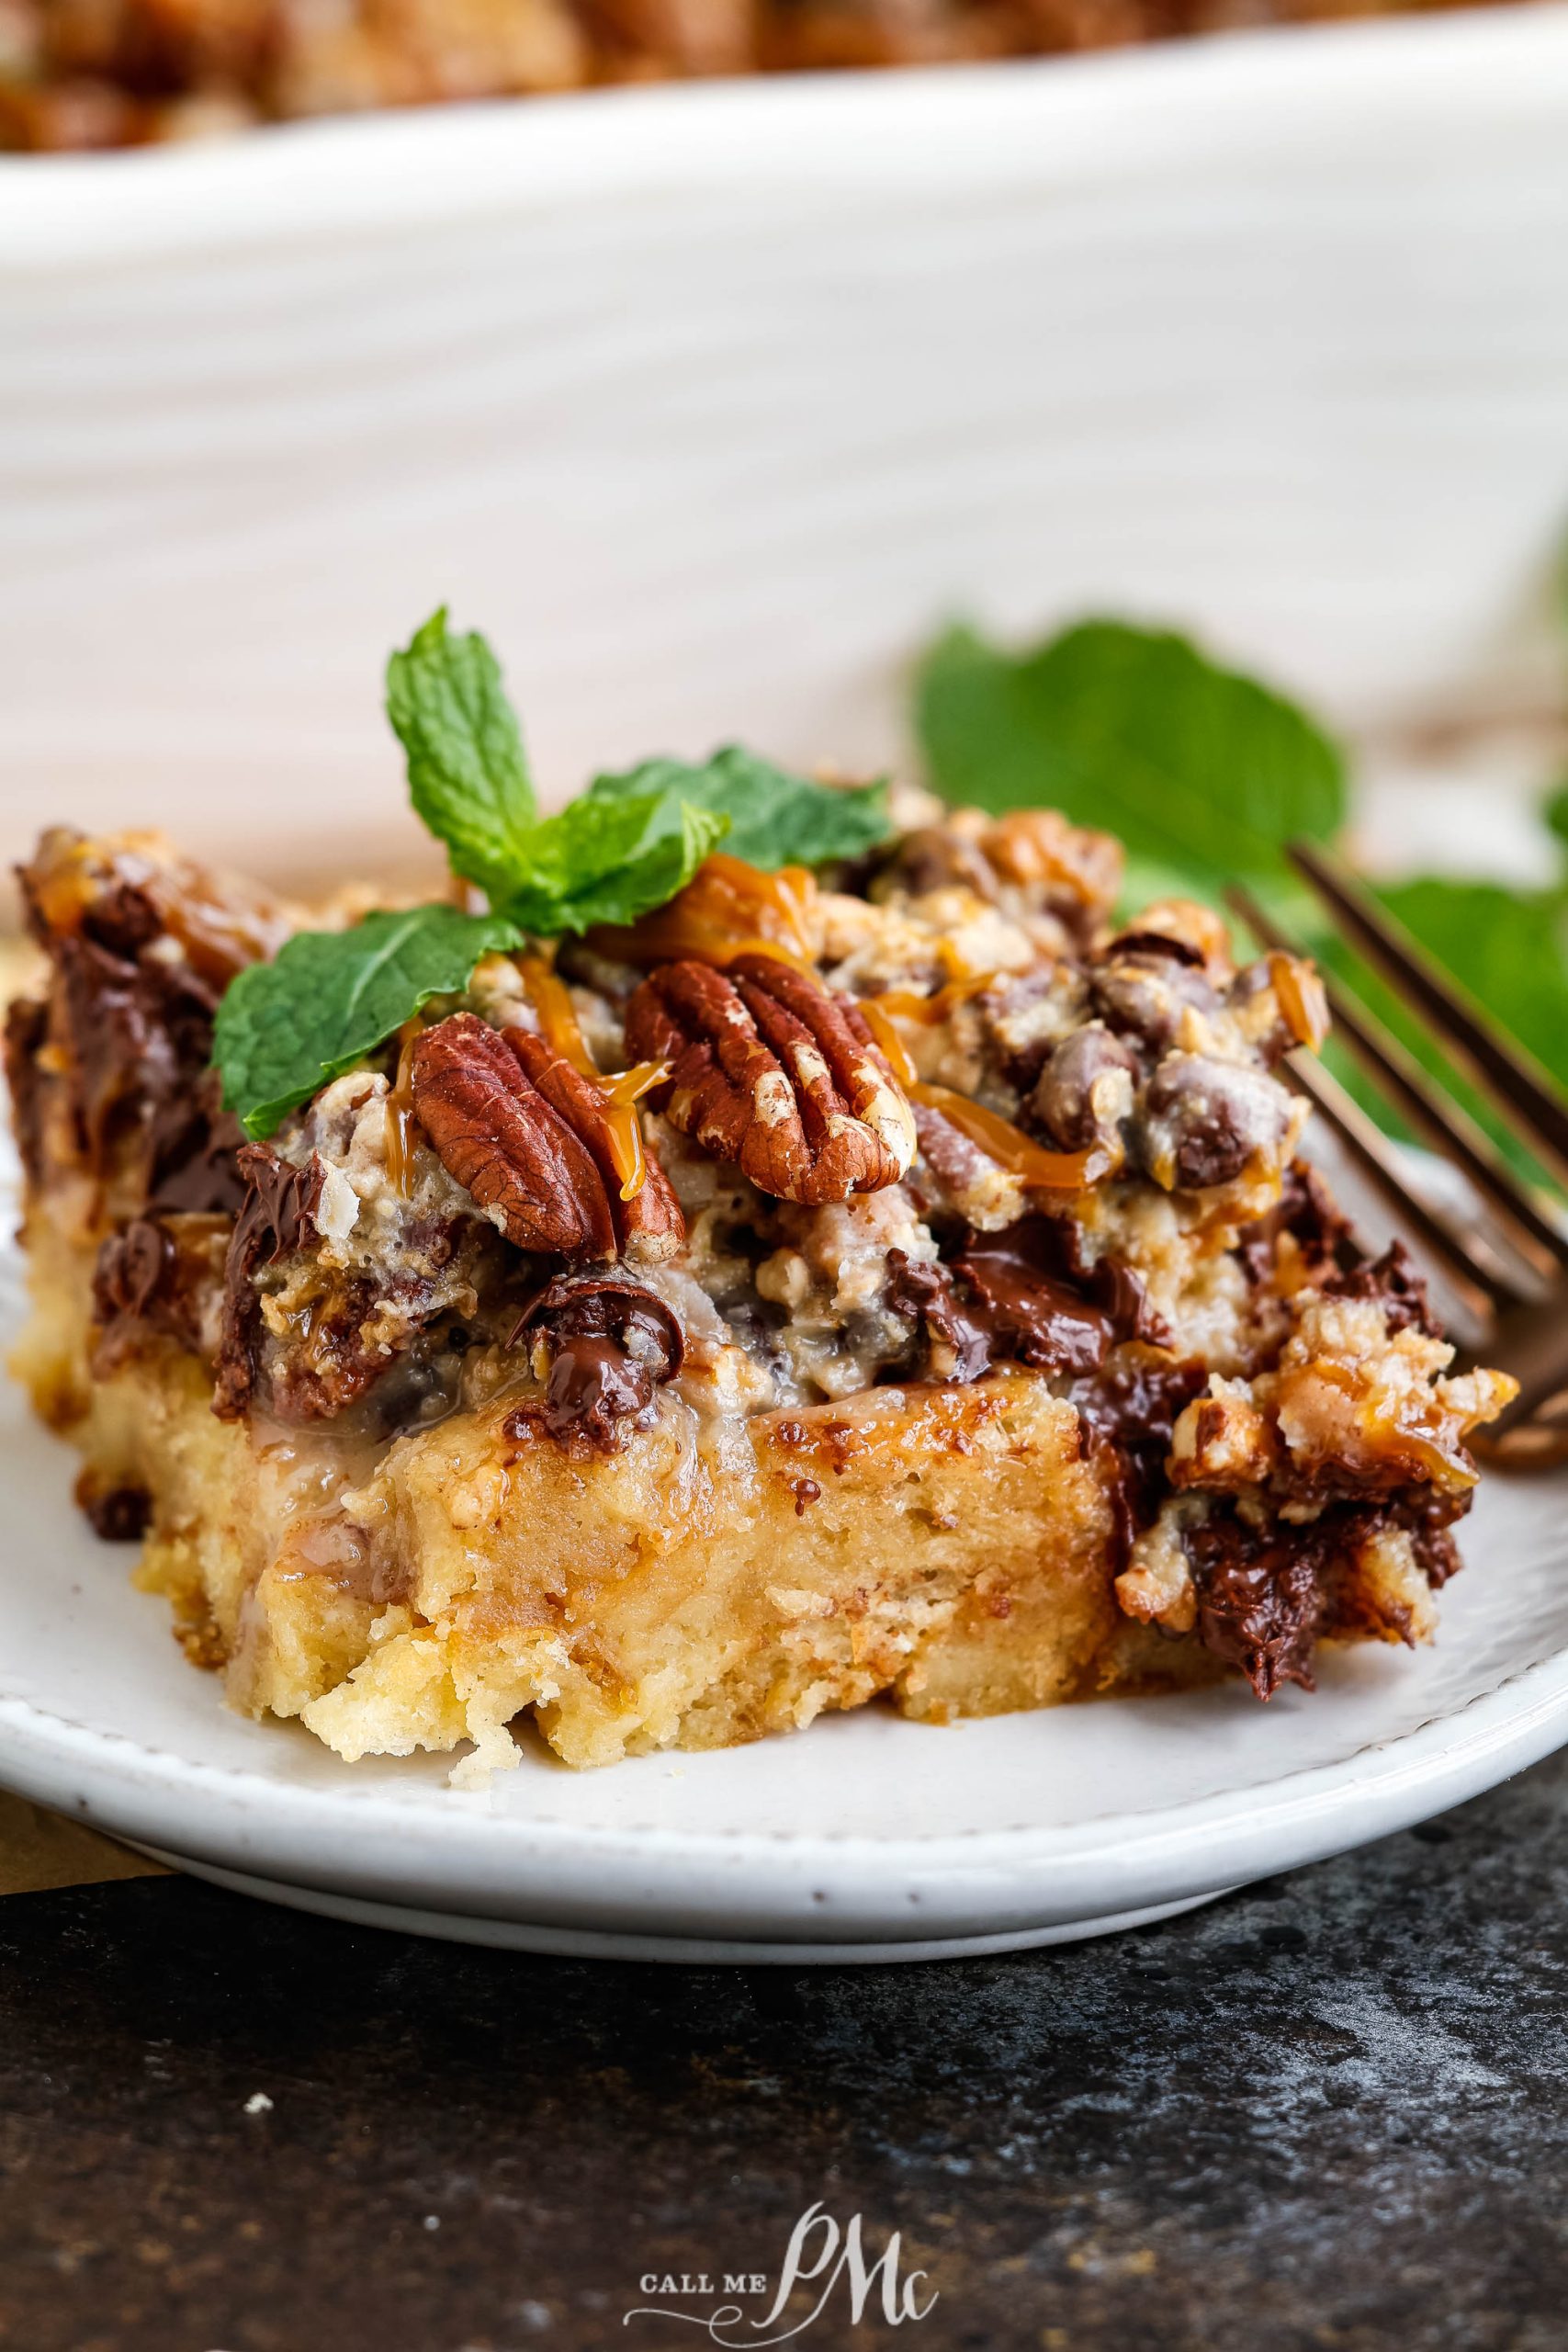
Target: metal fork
column 1510, row 1272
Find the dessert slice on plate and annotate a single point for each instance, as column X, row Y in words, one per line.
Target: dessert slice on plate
column 766, row 1253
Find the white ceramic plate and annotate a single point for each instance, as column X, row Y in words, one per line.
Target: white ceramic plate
column 867, row 1838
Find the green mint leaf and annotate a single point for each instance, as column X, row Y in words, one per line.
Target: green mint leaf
column 1556, row 812
column 468, row 775
column 775, row 819
column 1196, row 767
column 610, row 858
column 328, row 998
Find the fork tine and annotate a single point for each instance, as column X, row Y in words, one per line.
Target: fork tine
column 1429, row 1108
column 1481, row 1289
column 1532, row 1107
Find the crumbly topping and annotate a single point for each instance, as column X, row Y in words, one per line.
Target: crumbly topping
column 942, row 1119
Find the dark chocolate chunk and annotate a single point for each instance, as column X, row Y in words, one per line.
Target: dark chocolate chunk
column 1210, row 1118
column 278, row 1217
column 118, row 1514
column 1394, row 1282
column 1261, row 1596
column 612, row 1343
column 26, row 1028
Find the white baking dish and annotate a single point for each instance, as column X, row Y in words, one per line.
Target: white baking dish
column 708, row 403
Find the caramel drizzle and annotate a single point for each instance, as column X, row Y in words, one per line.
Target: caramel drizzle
column 1054, row 1171
column 622, row 1089
column 731, row 908
column 728, row 909
column 400, row 1118
column 1301, row 998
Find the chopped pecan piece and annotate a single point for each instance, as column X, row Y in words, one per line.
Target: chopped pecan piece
column 650, row 1227
column 771, row 1072
column 498, row 1136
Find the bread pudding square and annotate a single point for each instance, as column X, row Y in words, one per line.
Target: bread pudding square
column 899, row 1281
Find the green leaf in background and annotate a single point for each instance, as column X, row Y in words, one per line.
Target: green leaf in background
column 1555, row 813
column 610, row 858
column 775, row 819
column 1507, row 949
column 468, row 775
column 328, row 998
column 1200, row 771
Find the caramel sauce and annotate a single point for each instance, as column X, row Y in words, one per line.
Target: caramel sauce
column 551, row 1000
column 908, row 1005
column 401, row 1121
column 1054, row 1171
column 728, row 909
column 559, row 1025
column 1301, row 998
column 621, row 1094
column 217, row 940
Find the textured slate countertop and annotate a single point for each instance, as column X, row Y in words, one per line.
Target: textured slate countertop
column 1330, row 2112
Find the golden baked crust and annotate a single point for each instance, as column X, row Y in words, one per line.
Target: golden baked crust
column 429, row 1426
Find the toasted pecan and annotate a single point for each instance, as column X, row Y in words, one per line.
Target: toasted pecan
column 530, row 1136
column 650, row 1227
column 495, row 1133
column 771, row 1071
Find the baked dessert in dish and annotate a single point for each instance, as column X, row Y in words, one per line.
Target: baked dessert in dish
column 897, row 1279
column 124, row 72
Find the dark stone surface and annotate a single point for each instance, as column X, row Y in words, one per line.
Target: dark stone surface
column 1330, row 2112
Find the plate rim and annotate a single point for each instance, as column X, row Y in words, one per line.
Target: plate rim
column 770, row 1886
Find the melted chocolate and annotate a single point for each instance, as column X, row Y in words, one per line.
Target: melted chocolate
column 1266, row 1592
column 154, row 1277
column 596, row 1385
column 137, row 1033
column 27, row 1027
column 278, row 1215
column 1393, row 1283
column 134, row 1270
column 1032, row 1315
column 1129, row 1410
column 1027, row 1294
column 116, row 1514
column 1261, row 1596
column 1306, row 1212
column 194, row 1150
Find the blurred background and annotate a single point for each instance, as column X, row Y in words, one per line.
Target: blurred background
column 711, row 402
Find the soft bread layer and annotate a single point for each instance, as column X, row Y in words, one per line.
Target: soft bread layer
column 947, row 1545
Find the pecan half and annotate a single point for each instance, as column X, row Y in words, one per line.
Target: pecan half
column 771, row 1072
column 529, row 1134
column 650, row 1227
column 496, row 1134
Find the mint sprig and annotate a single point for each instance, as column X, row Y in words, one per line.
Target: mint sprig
column 628, row 844
column 328, row 998
column 609, row 859
column 774, row 818
column 468, row 775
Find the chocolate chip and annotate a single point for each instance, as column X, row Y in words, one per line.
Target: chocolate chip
column 1073, row 1095
column 118, row 1514
column 1144, row 991
column 1201, row 1121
